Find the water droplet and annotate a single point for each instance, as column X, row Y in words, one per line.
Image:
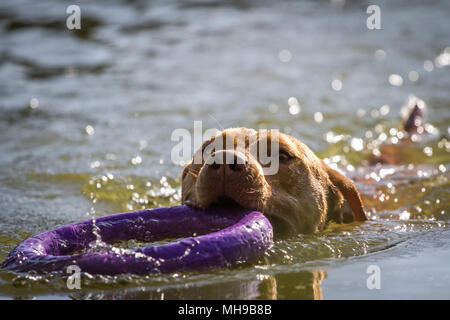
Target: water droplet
column 428, row 65
column 395, row 80
column 294, row 109
column 318, row 117
column 285, row 55
column 95, row 164
column 89, row 130
column 136, row 160
column 34, row 103
column 384, row 110
column 380, row 54
column 357, row 144
column 336, row 85
column 413, row 76
column 428, row 151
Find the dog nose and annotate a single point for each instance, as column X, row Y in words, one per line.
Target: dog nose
column 237, row 165
column 229, row 161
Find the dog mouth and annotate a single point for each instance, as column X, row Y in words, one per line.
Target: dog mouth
column 227, row 203
column 283, row 226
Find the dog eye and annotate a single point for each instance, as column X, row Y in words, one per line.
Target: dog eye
column 284, row 156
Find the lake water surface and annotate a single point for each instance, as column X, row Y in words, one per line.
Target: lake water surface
column 86, row 119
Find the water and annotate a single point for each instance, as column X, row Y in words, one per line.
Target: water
column 86, row 119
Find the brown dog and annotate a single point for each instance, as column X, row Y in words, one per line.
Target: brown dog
column 303, row 195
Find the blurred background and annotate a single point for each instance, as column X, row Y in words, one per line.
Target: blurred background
column 87, row 115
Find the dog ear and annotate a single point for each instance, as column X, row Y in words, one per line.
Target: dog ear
column 349, row 191
column 185, row 170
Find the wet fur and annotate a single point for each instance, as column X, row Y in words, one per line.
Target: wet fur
column 302, row 196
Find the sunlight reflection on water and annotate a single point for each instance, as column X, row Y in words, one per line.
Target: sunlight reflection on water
column 87, row 117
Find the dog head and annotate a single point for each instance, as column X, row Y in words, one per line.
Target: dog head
column 302, row 193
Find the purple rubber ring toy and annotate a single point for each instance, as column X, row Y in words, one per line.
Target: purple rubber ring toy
column 226, row 238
